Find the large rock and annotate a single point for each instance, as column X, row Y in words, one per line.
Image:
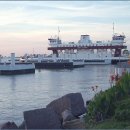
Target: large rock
column 77, row 104
column 72, row 101
column 67, row 115
column 9, row 125
column 74, row 124
column 44, row 118
column 60, row 105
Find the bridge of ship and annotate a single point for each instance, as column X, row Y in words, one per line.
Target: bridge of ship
column 117, row 48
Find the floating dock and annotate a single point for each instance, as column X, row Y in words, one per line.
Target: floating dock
column 16, row 68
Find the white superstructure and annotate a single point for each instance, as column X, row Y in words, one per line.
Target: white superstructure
column 98, row 52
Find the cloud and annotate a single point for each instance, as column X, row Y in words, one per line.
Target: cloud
column 23, row 20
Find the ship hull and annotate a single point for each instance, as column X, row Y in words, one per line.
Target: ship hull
column 54, row 65
column 97, row 62
column 58, row 65
column 14, row 72
column 114, row 62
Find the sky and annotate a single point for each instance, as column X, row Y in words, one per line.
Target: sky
column 25, row 26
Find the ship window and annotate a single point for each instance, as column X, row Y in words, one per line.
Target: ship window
column 94, row 60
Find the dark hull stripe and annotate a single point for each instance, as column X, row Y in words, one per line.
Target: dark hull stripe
column 14, row 72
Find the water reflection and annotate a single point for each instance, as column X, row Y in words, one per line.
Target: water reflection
column 24, row 92
column 13, row 83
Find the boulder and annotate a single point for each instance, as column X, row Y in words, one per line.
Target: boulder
column 67, row 115
column 74, row 124
column 60, row 105
column 9, row 125
column 77, row 104
column 44, row 118
column 72, row 101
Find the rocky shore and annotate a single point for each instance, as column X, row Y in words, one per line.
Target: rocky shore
column 62, row 113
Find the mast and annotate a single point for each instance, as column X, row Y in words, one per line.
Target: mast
column 113, row 29
column 58, row 38
column 58, row 32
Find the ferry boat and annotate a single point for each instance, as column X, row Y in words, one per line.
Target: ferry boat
column 99, row 52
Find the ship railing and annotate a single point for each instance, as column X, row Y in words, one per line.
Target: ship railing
column 78, row 45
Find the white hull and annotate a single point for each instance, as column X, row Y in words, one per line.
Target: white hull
column 96, row 63
column 85, row 61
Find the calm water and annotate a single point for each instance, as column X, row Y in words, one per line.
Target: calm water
column 26, row 92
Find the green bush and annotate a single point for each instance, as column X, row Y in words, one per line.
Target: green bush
column 122, row 115
column 101, row 107
column 104, row 103
column 122, row 112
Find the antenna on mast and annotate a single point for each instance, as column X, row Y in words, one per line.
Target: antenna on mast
column 113, row 28
column 58, row 31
